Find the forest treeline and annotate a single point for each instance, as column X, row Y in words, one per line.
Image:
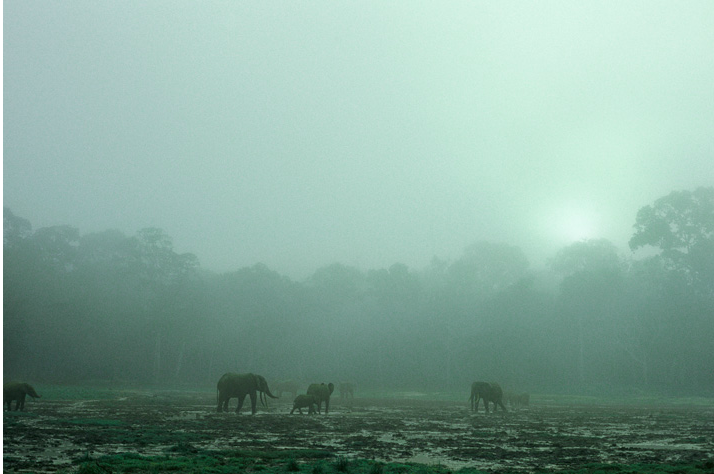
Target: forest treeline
column 130, row 310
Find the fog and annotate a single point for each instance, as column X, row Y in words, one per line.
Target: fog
column 413, row 183
column 301, row 134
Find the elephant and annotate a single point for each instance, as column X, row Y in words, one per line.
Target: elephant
column 304, row 401
column 240, row 385
column 322, row 393
column 522, row 400
column 290, row 386
column 347, row 389
column 489, row 393
column 517, row 400
column 17, row 391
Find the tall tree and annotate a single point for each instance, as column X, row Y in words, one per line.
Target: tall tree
column 681, row 224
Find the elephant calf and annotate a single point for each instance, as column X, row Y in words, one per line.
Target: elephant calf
column 304, row 401
column 17, row 391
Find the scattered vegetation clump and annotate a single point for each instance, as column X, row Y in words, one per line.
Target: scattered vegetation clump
column 277, row 454
column 376, row 468
column 183, row 447
column 93, row 422
column 217, row 463
column 92, row 467
column 342, row 464
column 598, row 468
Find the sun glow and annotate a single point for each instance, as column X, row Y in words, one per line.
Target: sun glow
column 572, row 223
column 577, row 227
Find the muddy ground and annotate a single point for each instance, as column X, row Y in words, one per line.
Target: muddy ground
column 50, row 435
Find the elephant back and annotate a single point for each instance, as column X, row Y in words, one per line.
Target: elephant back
column 320, row 390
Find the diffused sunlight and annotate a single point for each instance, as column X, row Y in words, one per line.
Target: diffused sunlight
column 571, row 223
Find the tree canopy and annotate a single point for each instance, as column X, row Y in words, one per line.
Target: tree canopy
column 129, row 309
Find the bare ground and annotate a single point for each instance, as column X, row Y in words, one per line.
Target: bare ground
column 52, row 434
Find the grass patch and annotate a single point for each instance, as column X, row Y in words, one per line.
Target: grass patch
column 313, row 462
column 597, row 468
column 76, row 392
column 342, row 464
column 93, row 422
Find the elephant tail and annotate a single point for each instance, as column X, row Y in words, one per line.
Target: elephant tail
column 267, row 392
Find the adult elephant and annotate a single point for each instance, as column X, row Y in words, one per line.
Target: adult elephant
column 17, row 391
column 239, row 385
column 346, row 389
column 322, row 393
column 489, row 392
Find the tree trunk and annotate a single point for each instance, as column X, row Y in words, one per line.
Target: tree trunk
column 179, row 363
column 157, row 357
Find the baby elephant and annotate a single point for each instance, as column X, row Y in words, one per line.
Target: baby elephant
column 304, row 401
column 17, row 391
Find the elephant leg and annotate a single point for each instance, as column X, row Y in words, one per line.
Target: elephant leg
column 327, row 406
column 241, row 399
column 223, row 404
column 253, row 402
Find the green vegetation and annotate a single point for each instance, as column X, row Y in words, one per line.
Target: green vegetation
column 597, row 468
column 106, row 305
column 92, row 422
column 310, row 461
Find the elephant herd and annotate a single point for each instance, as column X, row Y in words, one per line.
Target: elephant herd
column 241, row 385
column 493, row 393
column 255, row 386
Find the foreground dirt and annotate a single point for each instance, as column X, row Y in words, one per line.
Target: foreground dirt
column 52, row 434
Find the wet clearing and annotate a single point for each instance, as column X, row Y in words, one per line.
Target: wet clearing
column 55, row 435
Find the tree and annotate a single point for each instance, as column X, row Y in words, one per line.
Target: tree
column 15, row 229
column 681, row 224
column 487, row 267
column 586, row 255
column 681, row 280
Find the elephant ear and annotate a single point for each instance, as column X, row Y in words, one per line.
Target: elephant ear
column 331, row 387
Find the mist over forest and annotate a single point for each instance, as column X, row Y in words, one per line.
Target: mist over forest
column 128, row 309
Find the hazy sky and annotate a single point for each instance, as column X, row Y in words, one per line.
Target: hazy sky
column 303, row 133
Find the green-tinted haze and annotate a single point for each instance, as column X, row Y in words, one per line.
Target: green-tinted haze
column 298, row 134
